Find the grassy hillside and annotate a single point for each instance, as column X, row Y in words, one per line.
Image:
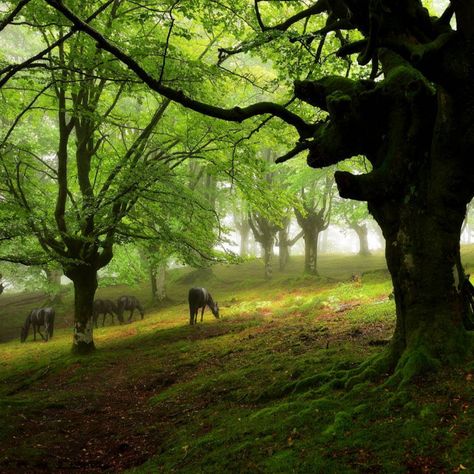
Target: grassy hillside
column 239, row 394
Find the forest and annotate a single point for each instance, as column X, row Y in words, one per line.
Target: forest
column 236, row 236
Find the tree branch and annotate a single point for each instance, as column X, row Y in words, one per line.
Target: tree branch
column 9, row 18
column 11, row 70
column 235, row 114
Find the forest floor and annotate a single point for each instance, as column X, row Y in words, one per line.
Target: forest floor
column 230, row 395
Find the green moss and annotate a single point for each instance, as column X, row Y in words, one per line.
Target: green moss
column 260, row 391
column 342, row 423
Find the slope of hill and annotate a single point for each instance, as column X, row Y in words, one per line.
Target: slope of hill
column 254, row 391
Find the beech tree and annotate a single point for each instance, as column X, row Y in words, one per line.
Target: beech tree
column 354, row 214
column 315, row 198
column 414, row 124
column 285, row 242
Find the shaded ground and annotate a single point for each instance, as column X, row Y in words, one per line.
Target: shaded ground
column 103, row 419
column 160, row 396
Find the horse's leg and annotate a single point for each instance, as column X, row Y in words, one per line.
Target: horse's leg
column 202, row 312
column 42, row 337
column 131, row 314
column 34, row 332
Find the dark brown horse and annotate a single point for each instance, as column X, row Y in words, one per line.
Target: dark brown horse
column 105, row 307
column 128, row 303
column 200, row 298
column 39, row 317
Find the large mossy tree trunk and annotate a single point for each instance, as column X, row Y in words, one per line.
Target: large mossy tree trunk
column 423, row 257
column 420, row 144
column 84, row 278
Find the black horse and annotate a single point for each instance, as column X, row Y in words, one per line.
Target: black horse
column 105, row 307
column 39, row 317
column 128, row 303
column 200, row 298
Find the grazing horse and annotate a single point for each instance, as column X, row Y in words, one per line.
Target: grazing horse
column 105, row 307
column 199, row 298
column 39, row 317
column 128, row 303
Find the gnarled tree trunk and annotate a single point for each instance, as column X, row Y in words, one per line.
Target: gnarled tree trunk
column 418, row 191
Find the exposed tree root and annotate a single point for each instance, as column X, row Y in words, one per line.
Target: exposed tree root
column 394, row 368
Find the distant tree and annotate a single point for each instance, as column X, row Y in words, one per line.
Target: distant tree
column 242, row 225
column 264, row 232
column 285, row 242
column 314, row 213
column 355, row 216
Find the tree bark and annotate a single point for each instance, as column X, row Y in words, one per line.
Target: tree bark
column 423, row 257
column 264, row 232
column 158, row 282
column 362, row 233
column 311, row 252
column 84, row 279
column 284, row 248
column 54, row 284
column 267, row 247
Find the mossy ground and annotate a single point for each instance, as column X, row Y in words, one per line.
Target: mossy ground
column 236, row 395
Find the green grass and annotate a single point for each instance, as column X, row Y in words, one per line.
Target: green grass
column 242, row 394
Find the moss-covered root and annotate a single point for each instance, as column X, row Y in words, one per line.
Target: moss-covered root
column 371, row 370
column 412, row 363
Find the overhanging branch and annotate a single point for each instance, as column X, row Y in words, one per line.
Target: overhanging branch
column 235, row 114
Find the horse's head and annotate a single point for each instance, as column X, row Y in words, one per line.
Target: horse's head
column 215, row 310
column 23, row 334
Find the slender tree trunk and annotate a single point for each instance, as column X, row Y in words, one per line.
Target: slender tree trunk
column 160, row 283
column 311, row 252
column 153, row 283
column 84, row 279
column 283, row 249
column 267, row 248
column 362, row 234
column 244, row 238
